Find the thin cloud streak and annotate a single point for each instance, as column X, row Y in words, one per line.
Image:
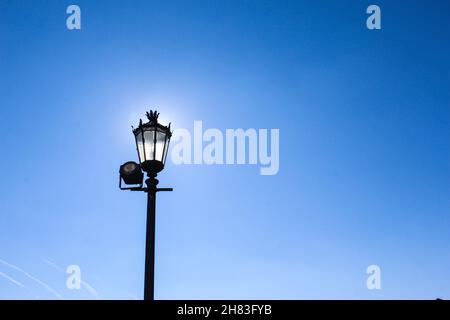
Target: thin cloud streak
column 17, row 283
column 90, row 289
column 51, row 264
column 42, row 283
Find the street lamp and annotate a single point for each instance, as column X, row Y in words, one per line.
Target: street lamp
column 152, row 143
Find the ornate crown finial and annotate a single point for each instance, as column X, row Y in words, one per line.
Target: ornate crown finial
column 152, row 116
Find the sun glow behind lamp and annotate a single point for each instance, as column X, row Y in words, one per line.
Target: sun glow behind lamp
column 152, row 143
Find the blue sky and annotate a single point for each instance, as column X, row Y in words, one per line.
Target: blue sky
column 364, row 148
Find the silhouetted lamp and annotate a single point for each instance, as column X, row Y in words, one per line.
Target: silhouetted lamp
column 152, row 143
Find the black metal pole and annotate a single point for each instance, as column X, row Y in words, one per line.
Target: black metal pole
column 149, row 285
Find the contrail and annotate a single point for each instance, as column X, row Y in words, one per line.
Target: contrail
column 84, row 284
column 17, row 283
column 89, row 288
column 51, row 264
column 43, row 284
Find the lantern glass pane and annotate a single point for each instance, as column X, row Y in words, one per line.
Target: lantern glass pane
column 149, row 144
column 166, row 148
column 140, row 146
column 160, row 139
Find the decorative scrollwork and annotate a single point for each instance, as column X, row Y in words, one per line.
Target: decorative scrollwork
column 152, row 116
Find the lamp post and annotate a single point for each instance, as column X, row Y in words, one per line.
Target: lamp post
column 152, row 143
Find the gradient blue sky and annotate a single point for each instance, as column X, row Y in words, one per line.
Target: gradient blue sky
column 364, row 148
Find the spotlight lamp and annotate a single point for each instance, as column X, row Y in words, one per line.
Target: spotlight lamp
column 131, row 174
